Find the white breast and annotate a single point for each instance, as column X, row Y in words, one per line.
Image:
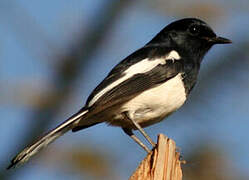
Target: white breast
column 156, row 103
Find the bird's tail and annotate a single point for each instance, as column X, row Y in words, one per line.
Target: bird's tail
column 31, row 150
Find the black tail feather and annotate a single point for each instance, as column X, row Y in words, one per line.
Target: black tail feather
column 29, row 151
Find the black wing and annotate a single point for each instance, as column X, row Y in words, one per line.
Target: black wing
column 117, row 71
column 150, row 52
column 139, row 83
column 135, row 84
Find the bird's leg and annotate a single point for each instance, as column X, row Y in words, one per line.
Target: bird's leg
column 140, row 129
column 130, row 133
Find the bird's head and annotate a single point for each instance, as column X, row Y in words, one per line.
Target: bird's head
column 190, row 35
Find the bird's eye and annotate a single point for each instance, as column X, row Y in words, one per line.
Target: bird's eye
column 194, row 30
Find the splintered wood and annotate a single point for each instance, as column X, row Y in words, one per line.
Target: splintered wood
column 161, row 164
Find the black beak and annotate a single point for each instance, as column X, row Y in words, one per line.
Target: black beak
column 219, row 40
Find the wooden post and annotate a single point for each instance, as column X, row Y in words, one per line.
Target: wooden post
column 161, row 164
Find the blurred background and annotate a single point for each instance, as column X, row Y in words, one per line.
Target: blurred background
column 54, row 53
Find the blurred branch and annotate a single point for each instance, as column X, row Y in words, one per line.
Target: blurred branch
column 82, row 160
column 72, row 64
column 205, row 9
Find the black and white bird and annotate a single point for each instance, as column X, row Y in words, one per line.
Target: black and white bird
column 145, row 87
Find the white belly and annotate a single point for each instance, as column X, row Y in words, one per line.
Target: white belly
column 155, row 104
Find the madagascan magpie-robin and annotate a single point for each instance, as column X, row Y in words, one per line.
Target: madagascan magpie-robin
column 145, row 87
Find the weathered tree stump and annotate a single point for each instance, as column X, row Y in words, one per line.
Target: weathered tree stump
column 163, row 163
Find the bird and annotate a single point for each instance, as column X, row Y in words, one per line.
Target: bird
column 144, row 88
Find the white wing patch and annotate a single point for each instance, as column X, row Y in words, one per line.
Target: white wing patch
column 138, row 68
column 173, row 55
